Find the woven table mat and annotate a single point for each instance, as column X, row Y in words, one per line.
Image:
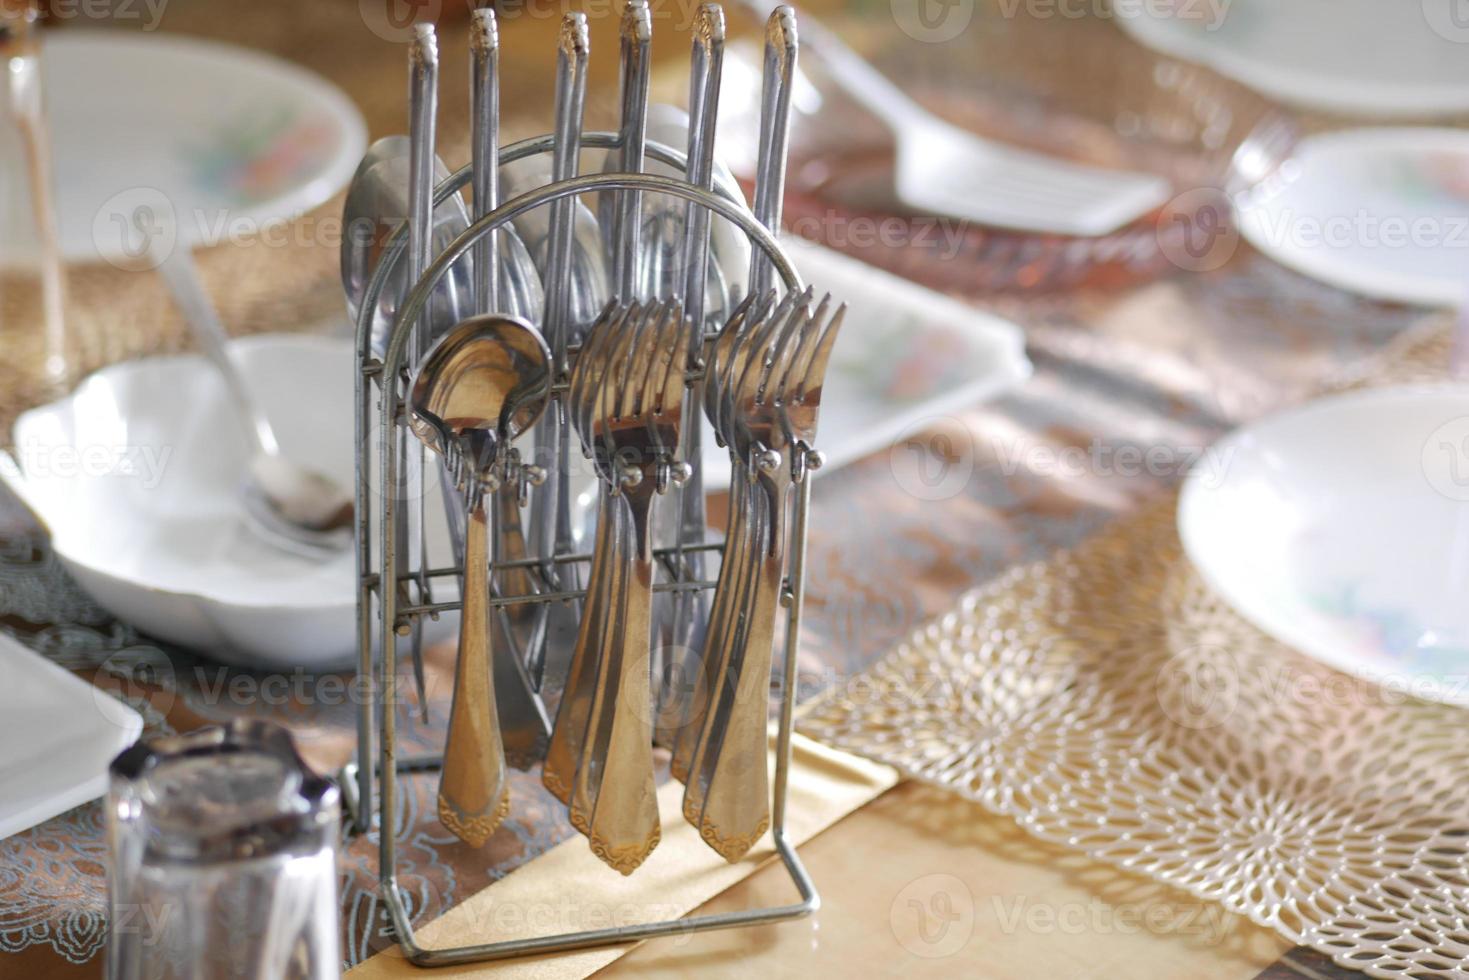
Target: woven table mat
column 1108, row 701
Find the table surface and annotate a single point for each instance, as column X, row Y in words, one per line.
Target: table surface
column 1172, row 363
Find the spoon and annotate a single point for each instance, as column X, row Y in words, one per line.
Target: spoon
column 292, row 506
column 376, row 207
column 479, row 387
column 377, row 204
column 571, row 270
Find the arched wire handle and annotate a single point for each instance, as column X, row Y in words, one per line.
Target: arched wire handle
column 418, row 298
column 398, row 242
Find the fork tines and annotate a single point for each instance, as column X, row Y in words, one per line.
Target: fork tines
column 762, row 395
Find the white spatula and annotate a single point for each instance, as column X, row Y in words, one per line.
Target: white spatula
column 944, row 170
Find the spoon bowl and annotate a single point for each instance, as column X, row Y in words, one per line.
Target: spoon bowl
column 489, row 372
column 377, row 205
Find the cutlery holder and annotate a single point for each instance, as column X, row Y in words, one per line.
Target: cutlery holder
column 384, row 614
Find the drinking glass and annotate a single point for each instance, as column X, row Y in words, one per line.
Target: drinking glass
column 32, row 282
column 223, row 859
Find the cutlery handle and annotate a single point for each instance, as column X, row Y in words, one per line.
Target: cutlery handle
column 637, row 33
column 484, row 111
column 781, row 49
column 723, row 657
column 736, row 810
column 423, row 102
column 176, row 265
column 570, row 733
column 524, row 727
column 601, row 669
column 624, row 825
column 691, row 609
column 473, row 792
column 707, row 666
column 517, row 579
column 423, row 105
column 853, row 73
column 570, row 95
column 705, row 72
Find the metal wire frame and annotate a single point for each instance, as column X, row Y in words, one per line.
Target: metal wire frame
column 369, row 369
column 357, row 779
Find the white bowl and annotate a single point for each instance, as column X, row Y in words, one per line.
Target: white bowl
column 213, row 140
column 137, row 476
column 1380, row 212
column 1341, row 528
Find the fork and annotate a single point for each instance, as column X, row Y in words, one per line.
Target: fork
column 624, row 398
column 690, row 706
column 731, row 581
column 743, row 358
column 600, row 399
column 728, row 356
column 770, row 420
column 644, row 439
column 583, row 396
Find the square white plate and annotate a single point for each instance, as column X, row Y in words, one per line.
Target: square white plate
column 58, row 734
column 905, row 354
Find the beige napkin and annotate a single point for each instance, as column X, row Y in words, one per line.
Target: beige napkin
column 567, row 888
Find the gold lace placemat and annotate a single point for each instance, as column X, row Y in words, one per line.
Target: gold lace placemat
column 1108, row 701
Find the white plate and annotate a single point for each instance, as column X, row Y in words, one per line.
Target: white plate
column 230, row 139
column 1342, row 529
column 1378, row 57
column 59, row 735
column 1380, row 212
column 905, row 353
column 137, row 476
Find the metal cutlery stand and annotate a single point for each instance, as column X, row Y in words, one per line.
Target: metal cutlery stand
column 381, row 602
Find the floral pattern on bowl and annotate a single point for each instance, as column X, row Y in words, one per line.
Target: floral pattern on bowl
column 259, row 157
